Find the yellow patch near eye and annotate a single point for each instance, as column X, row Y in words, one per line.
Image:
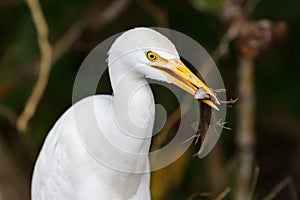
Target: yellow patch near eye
column 151, row 56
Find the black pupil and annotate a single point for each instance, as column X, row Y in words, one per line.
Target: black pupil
column 151, row 56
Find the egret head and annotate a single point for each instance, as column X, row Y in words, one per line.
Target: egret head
column 152, row 55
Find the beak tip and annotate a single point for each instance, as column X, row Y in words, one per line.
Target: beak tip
column 211, row 104
column 216, row 108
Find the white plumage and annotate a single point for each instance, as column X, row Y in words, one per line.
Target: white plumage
column 98, row 148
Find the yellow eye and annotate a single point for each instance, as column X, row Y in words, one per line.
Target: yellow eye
column 151, row 56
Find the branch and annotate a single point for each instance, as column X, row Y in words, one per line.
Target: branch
column 223, row 194
column 96, row 18
column 45, row 65
column 233, row 30
column 245, row 126
column 278, row 188
column 99, row 17
column 203, row 194
column 254, row 181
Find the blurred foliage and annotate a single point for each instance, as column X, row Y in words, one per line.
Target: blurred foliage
column 277, row 82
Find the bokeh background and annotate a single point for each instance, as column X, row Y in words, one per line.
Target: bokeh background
column 263, row 35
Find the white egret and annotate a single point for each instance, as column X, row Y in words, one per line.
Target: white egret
column 66, row 168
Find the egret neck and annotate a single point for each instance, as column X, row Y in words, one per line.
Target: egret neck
column 133, row 108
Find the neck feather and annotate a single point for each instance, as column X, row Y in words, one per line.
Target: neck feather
column 133, row 106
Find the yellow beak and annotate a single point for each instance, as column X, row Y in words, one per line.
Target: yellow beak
column 185, row 79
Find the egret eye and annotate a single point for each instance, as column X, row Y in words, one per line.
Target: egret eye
column 151, row 56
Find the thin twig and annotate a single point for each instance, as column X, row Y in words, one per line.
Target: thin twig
column 233, row 30
column 223, row 194
column 279, row 187
column 253, row 182
column 203, row 194
column 60, row 48
column 95, row 19
column 45, row 65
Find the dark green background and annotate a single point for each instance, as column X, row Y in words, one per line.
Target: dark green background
column 276, row 83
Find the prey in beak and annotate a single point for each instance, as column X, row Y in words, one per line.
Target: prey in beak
column 181, row 76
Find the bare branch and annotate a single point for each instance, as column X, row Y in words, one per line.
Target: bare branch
column 223, row 194
column 245, row 136
column 203, row 194
column 279, row 187
column 254, row 182
column 45, row 65
column 233, row 30
column 96, row 18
